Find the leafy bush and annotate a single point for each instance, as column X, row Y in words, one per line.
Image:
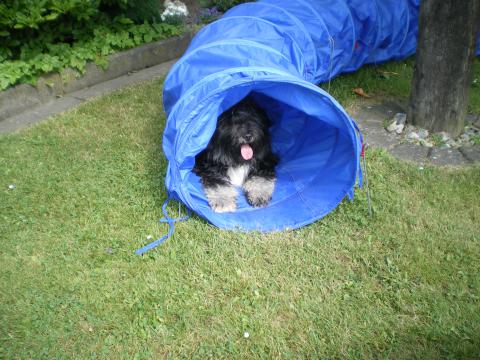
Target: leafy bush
column 62, row 55
column 27, row 23
column 143, row 10
column 24, row 14
column 40, row 36
column 222, row 5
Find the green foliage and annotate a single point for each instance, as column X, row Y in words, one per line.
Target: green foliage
column 474, row 105
column 42, row 36
column 437, row 140
column 176, row 20
column 34, row 60
column 28, row 14
column 222, row 5
column 476, row 139
column 146, row 10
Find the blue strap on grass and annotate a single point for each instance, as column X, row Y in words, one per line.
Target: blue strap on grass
column 360, row 172
column 360, row 175
column 351, row 192
column 167, row 219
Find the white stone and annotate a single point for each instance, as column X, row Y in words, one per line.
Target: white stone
column 426, row 143
column 400, row 118
column 392, row 127
column 413, row 136
column 11, row 187
column 246, row 335
column 149, row 237
column 452, row 143
column 423, row 133
column 399, row 129
column 464, row 138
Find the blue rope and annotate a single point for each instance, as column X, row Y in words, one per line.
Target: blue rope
column 369, row 202
column 360, row 172
column 351, row 192
column 171, row 226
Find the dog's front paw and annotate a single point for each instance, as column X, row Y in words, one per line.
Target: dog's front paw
column 223, row 206
column 222, row 198
column 259, row 190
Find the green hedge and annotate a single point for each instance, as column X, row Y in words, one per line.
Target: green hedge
column 222, row 5
column 106, row 40
column 23, row 14
column 27, row 24
column 40, row 36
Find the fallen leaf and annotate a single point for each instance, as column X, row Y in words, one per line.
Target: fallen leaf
column 361, row 92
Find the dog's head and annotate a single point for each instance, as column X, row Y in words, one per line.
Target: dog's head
column 242, row 132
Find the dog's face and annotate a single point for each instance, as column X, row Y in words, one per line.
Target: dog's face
column 242, row 133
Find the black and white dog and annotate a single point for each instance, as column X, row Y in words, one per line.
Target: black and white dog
column 238, row 155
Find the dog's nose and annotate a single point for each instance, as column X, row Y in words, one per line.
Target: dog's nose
column 248, row 137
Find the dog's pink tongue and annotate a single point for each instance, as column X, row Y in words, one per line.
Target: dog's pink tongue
column 247, row 151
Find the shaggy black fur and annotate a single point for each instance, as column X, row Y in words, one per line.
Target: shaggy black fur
column 244, row 123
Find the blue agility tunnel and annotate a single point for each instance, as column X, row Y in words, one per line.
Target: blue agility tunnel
column 276, row 51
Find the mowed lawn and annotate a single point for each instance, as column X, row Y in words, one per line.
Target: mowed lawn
column 403, row 284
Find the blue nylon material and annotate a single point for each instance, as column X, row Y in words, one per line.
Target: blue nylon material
column 171, row 227
column 392, row 29
column 340, row 26
column 276, row 50
column 365, row 20
column 315, row 25
column 410, row 44
column 289, row 23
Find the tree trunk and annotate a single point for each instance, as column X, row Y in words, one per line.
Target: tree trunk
column 443, row 70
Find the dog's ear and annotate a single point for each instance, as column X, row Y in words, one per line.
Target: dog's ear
column 263, row 114
column 227, row 114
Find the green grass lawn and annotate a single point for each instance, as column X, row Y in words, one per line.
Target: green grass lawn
column 390, row 80
column 89, row 188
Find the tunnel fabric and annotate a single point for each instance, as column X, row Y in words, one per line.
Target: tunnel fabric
column 276, row 51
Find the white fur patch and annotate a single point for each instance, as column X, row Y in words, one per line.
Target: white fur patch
column 259, row 190
column 222, row 198
column 238, row 175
